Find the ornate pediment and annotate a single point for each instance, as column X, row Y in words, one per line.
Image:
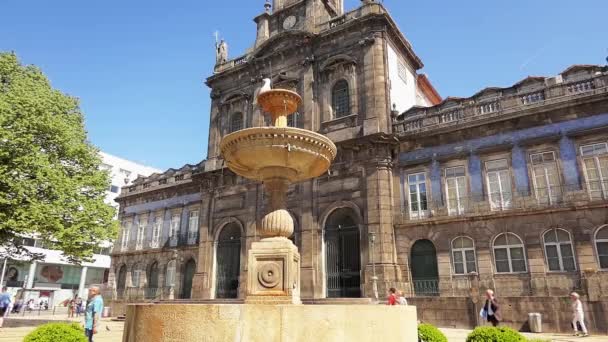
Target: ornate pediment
column 282, row 42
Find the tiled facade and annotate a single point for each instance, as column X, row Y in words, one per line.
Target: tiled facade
column 506, row 189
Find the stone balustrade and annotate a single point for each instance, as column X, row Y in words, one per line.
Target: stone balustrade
column 455, row 112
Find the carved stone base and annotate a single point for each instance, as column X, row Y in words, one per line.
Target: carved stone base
column 274, row 266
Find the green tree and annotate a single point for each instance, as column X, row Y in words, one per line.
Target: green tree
column 51, row 186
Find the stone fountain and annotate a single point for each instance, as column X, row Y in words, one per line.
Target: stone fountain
column 277, row 156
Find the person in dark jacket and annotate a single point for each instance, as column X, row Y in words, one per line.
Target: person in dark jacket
column 492, row 309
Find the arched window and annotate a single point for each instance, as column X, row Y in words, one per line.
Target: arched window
column 236, row 122
column 558, row 250
column 509, row 254
column 170, row 275
column 340, row 99
column 601, row 244
column 463, row 253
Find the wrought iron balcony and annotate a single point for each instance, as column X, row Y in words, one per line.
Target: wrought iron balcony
column 488, row 204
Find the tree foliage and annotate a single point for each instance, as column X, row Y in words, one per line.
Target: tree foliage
column 51, row 186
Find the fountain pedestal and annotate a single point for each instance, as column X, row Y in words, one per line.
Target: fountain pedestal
column 274, row 264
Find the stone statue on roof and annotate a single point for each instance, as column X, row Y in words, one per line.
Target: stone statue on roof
column 221, row 53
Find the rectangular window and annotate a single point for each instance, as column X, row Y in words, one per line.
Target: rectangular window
column 174, row 231
column 595, row 160
column 417, row 195
column 499, row 184
column 141, row 233
column 464, row 261
column 402, row 70
column 156, row 231
column 545, row 178
column 455, row 189
column 193, row 227
column 136, row 278
column 126, row 232
column 114, row 188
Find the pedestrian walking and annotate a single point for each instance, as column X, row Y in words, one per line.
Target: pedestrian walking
column 392, row 296
column 578, row 315
column 401, row 300
column 78, row 306
column 5, row 301
column 92, row 315
column 491, row 309
column 71, row 308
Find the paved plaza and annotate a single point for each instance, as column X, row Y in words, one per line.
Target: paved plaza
column 112, row 332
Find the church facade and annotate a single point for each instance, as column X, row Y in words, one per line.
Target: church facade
column 441, row 198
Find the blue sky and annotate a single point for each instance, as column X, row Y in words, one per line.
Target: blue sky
column 138, row 66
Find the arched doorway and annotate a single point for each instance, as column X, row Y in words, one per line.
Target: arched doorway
column 425, row 276
column 228, row 260
column 189, row 270
column 121, row 282
column 342, row 254
column 152, row 287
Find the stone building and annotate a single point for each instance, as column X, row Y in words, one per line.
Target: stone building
column 506, row 189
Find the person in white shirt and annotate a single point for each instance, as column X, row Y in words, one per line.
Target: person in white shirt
column 578, row 315
column 401, row 300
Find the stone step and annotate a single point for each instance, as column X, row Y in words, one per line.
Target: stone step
column 337, row 301
column 120, row 318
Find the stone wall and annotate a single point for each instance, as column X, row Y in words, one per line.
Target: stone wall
column 454, row 312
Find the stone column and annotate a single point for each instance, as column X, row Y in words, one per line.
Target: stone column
column 201, row 283
column 31, row 274
column 380, row 223
column 263, row 32
column 374, row 86
column 82, row 284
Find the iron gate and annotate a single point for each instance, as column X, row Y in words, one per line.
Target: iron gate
column 228, row 256
column 343, row 262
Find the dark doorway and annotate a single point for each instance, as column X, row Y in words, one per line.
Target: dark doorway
column 425, row 276
column 121, row 282
column 189, row 270
column 228, row 259
column 152, row 288
column 342, row 254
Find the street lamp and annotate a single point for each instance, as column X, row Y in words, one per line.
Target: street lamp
column 372, row 239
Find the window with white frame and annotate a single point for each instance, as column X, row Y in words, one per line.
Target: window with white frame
column 595, row 160
column 126, row 235
column 136, row 275
column 455, row 189
column 509, row 256
column 463, row 255
column 141, row 233
column 499, row 184
column 417, row 195
column 193, row 227
column 545, row 177
column 402, row 71
column 170, row 276
column 558, row 250
column 601, row 245
column 156, row 231
column 174, row 231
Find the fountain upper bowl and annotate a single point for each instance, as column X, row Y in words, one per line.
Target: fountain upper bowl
column 264, row 153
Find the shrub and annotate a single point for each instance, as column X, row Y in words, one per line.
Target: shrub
column 54, row 332
column 495, row 334
column 428, row 333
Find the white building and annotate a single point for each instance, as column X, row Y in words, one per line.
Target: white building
column 53, row 278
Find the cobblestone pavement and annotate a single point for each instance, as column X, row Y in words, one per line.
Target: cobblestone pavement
column 109, row 332
column 460, row 335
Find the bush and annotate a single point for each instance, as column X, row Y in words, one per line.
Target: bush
column 495, row 334
column 428, row 333
column 54, row 332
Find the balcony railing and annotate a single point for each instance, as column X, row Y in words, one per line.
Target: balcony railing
column 426, row 119
column 426, row 287
column 484, row 204
column 181, row 240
